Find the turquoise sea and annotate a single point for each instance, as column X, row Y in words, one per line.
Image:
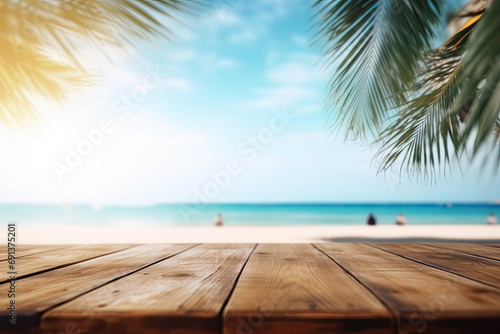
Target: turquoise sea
column 247, row 214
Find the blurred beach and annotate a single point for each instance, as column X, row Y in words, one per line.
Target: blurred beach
column 267, row 223
column 247, row 214
column 61, row 234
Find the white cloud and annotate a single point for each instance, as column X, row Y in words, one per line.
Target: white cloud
column 219, row 19
column 249, row 32
column 310, row 108
column 225, row 16
column 181, row 55
column 301, row 138
column 245, row 35
column 212, row 62
column 294, row 73
column 177, row 83
column 280, row 97
column 270, row 11
column 300, row 40
column 186, row 34
column 305, row 57
column 296, row 80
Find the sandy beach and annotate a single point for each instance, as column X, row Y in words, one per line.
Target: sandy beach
column 264, row 234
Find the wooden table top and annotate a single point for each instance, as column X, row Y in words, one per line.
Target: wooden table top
column 254, row 288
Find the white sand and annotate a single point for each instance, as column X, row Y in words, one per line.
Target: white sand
column 265, row 234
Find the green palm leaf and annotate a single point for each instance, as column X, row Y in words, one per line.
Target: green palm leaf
column 497, row 130
column 41, row 42
column 480, row 81
column 374, row 47
column 424, row 136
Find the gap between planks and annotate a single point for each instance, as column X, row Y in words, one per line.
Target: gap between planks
column 296, row 288
column 34, row 264
column 394, row 316
column 25, row 250
column 480, row 250
column 469, row 266
column 184, row 293
column 424, row 298
column 64, row 284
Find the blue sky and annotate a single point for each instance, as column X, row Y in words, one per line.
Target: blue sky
column 231, row 112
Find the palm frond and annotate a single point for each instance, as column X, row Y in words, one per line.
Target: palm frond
column 419, row 137
column 41, row 44
column 480, row 81
column 497, row 130
column 29, row 77
column 469, row 9
column 462, row 35
column 374, row 48
column 424, row 136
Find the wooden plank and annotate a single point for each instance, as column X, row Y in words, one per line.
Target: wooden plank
column 38, row 293
column 183, row 294
column 425, row 299
column 35, row 263
column 474, row 249
column 25, row 250
column 294, row 288
column 470, row 266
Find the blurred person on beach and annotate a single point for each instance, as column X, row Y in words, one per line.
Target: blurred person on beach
column 491, row 220
column 400, row 219
column 218, row 220
column 371, row 220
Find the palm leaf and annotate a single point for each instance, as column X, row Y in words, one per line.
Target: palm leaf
column 497, row 130
column 374, row 48
column 29, row 77
column 424, row 136
column 480, row 81
column 418, row 138
column 41, row 44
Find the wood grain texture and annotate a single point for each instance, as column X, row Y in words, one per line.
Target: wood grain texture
column 475, row 249
column 183, row 294
column 294, row 288
column 25, row 250
column 35, row 263
column 38, row 293
column 470, row 266
column 425, row 299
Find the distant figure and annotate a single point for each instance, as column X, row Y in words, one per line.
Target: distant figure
column 371, row 220
column 491, row 220
column 400, row 219
column 218, row 220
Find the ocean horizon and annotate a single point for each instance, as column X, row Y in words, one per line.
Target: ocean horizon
column 247, row 214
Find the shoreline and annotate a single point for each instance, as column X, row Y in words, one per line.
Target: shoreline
column 62, row 234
